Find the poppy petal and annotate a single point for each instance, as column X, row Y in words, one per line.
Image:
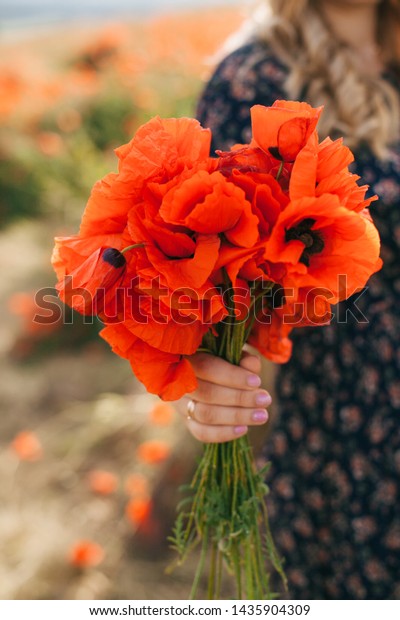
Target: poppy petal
column 170, row 376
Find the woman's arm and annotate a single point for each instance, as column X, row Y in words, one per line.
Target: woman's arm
column 228, row 398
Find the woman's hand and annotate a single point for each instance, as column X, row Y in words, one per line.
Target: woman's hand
column 228, row 398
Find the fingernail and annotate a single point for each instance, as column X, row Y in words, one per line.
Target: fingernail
column 253, row 381
column 263, row 399
column 260, row 415
column 240, row 430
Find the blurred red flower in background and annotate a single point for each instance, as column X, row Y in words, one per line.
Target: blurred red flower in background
column 27, row 446
column 137, row 485
column 153, row 451
column 85, row 554
column 102, row 482
column 162, row 414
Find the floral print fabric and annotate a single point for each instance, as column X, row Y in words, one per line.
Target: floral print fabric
column 335, row 446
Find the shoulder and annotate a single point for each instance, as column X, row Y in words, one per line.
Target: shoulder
column 249, row 75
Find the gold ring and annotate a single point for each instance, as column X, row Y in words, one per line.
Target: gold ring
column 190, row 409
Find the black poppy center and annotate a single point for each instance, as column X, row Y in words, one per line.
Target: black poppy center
column 114, row 258
column 277, row 296
column 312, row 239
column 274, row 150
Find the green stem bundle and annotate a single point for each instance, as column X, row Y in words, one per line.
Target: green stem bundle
column 226, row 513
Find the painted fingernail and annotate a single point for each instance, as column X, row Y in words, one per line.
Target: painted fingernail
column 263, row 399
column 240, row 430
column 253, row 381
column 259, row 415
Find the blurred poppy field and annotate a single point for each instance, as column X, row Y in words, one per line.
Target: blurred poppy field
column 90, row 464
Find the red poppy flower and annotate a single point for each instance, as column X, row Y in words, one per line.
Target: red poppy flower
column 246, row 158
column 166, row 374
column 283, row 129
column 165, row 335
column 87, row 288
column 249, row 264
column 187, row 267
column 307, row 307
column 267, row 200
column 270, row 336
column 209, row 203
column 170, row 321
column 159, row 150
column 107, row 208
column 233, row 260
column 333, row 157
column 323, row 169
column 70, row 252
column 324, row 244
column 265, row 195
column 180, row 225
column 177, row 256
column 163, row 146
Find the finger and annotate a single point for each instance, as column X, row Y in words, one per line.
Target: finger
column 251, row 363
column 228, row 416
column 218, row 371
column 215, row 434
column 213, row 394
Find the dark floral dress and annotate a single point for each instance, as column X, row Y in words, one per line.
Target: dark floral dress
column 335, row 448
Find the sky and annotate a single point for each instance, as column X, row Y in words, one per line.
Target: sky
column 20, row 12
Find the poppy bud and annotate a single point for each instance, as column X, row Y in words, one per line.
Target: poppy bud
column 86, row 288
column 284, row 128
column 114, row 257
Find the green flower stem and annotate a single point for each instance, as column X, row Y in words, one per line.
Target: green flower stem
column 213, row 573
column 222, row 341
column 227, row 513
column 237, row 571
column 249, row 572
column 132, row 247
column 200, row 567
column 278, row 174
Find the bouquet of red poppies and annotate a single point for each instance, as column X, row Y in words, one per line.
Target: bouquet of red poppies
column 180, row 251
